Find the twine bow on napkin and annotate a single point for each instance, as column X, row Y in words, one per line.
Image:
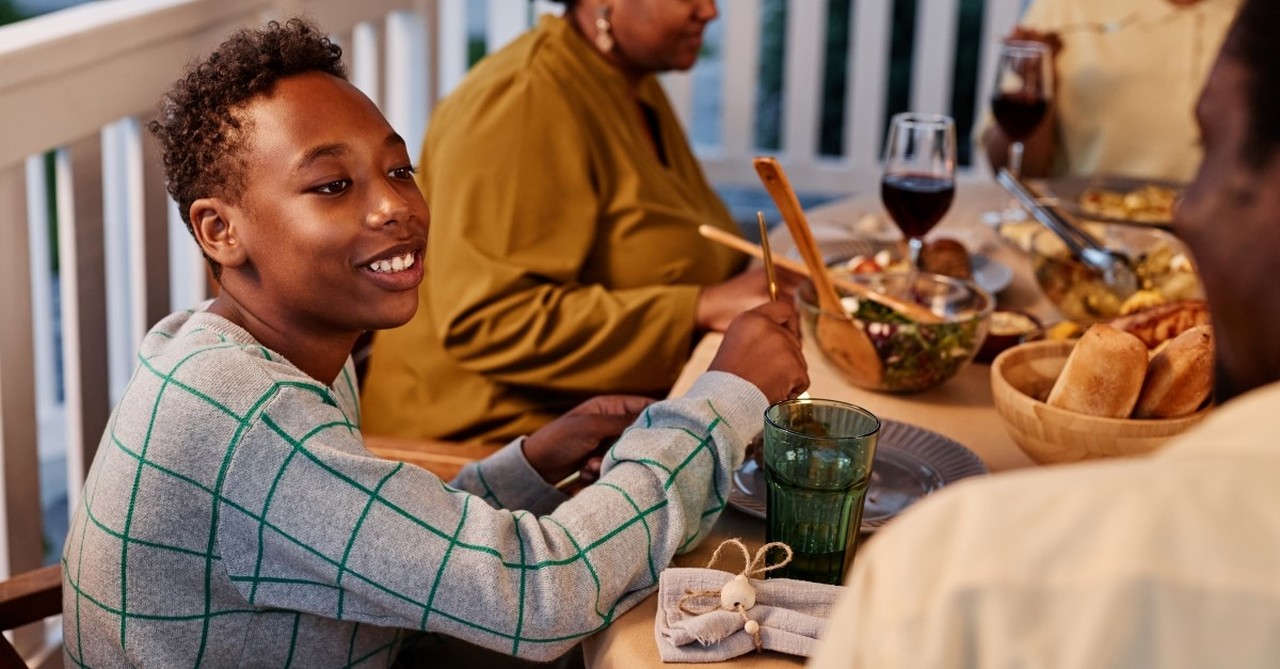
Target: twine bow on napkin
column 708, row 615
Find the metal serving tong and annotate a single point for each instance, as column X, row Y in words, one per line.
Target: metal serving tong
column 1115, row 267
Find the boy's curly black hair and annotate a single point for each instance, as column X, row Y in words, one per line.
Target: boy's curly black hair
column 198, row 126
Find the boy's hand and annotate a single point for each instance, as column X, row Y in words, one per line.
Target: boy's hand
column 571, row 441
column 763, row 347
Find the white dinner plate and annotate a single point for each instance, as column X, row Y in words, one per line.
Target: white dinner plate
column 911, row 462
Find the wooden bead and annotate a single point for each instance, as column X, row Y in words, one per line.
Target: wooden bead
column 737, row 593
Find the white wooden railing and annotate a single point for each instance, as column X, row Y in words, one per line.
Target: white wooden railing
column 933, row 63
column 81, row 83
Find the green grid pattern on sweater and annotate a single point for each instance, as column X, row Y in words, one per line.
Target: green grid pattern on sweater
column 233, row 517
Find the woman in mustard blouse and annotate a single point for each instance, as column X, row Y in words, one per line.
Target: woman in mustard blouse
column 564, row 259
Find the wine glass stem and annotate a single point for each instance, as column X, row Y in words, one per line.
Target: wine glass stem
column 914, row 245
column 1015, row 159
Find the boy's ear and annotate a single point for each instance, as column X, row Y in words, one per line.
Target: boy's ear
column 214, row 222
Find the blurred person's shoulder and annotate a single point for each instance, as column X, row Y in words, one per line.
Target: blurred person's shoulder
column 1005, row 567
column 530, row 61
column 531, row 85
column 1121, row 516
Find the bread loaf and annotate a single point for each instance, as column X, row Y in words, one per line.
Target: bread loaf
column 948, row 257
column 1103, row 375
column 1179, row 377
column 1163, row 322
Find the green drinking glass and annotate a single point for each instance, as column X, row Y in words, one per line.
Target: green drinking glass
column 817, row 467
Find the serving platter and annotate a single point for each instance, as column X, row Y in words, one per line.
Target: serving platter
column 1071, row 193
column 910, row 463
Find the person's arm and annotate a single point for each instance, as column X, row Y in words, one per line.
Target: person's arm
column 515, row 217
column 309, row 521
column 506, row 480
column 370, row 540
column 522, row 474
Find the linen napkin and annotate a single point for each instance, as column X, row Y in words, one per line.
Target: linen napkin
column 790, row 616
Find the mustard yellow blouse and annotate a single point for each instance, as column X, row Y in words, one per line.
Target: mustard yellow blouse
column 563, row 259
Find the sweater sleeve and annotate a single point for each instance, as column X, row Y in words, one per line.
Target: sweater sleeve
column 516, row 204
column 309, row 521
column 506, row 480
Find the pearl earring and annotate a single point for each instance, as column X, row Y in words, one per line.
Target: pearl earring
column 604, row 31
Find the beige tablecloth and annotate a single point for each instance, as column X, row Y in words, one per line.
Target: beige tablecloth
column 961, row 409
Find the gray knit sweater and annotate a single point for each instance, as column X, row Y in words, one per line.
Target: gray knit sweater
column 232, row 517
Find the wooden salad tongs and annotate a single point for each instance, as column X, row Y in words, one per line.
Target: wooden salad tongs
column 913, row 310
column 844, row 342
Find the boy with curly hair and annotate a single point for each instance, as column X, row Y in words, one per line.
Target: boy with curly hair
column 232, row 515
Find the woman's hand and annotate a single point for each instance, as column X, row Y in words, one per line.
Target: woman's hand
column 571, row 442
column 1025, row 34
column 763, row 347
column 719, row 304
column 1040, row 148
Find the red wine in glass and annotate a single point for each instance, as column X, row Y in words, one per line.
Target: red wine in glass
column 919, row 179
column 916, row 202
column 1024, row 86
column 1018, row 114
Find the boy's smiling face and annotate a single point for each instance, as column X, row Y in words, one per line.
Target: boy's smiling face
column 327, row 235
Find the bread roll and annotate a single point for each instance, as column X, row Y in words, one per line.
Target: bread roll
column 1179, row 377
column 1164, row 322
column 946, row 256
column 1103, row 375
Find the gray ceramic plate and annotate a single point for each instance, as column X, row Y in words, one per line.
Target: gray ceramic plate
column 910, row 462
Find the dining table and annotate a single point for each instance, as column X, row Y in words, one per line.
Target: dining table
column 960, row 409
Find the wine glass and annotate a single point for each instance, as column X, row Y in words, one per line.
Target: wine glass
column 1022, row 92
column 919, row 179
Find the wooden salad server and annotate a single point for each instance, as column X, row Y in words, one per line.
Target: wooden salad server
column 845, row 343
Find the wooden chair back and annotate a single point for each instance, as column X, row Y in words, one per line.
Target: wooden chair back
column 24, row 599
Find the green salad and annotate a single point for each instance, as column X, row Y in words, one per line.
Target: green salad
column 917, row 356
